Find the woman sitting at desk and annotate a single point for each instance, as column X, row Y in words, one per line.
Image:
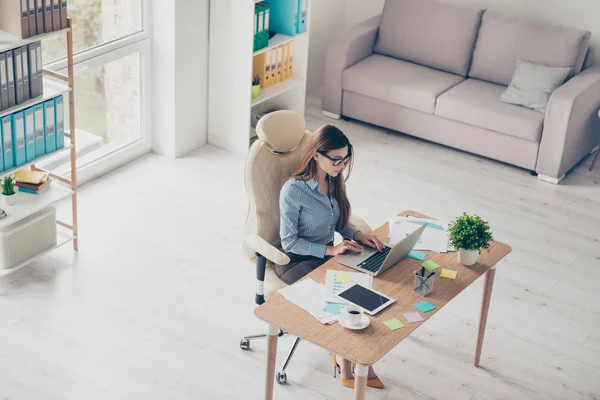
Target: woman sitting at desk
column 313, row 205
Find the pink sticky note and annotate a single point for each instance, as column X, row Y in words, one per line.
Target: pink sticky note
column 413, row 317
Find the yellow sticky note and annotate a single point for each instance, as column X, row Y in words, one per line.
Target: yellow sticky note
column 447, row 273
column 343, row 278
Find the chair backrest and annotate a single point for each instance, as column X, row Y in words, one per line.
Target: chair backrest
column 271, row 161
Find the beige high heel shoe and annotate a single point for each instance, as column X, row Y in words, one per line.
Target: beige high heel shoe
column 374, row 383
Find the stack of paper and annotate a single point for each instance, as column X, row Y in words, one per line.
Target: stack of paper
column 434, row 238
column 338, row 281
column 310, row 296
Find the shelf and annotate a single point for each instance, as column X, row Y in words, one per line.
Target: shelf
column 63, row 236
column 277, row 89
column 9, row 42
column 277, row 41
column 51, row 90
column 28, row 204
column 67, row 147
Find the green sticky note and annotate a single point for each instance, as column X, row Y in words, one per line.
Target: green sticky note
column 430, row 265
column 394, row 324
column 343, row 278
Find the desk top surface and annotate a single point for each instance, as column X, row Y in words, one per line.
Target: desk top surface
column 367, row 346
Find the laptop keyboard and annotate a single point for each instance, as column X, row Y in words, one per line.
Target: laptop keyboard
column 374, row 262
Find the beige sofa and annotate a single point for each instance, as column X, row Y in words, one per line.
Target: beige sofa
column 435, row 71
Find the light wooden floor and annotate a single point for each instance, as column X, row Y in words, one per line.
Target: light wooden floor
column 155, row 302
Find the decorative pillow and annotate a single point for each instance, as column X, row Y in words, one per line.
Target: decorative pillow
column 533, row 84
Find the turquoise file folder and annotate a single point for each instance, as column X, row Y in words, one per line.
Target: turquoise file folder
column 18, row 138
column 29, row 135
column 7, row 147
column 49, row 126
column 284, row 16
column 38, row 124
column 302, row 10
column 60, row 122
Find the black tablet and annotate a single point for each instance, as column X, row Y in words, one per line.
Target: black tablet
column 368, row 299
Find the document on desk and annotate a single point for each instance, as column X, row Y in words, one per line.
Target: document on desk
column 434, row 238
column 338, row 281
column 310, row 296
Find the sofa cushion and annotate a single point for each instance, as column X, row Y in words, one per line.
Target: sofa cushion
column 476, row 103
column 503, row 40
column 437, row 35
column 398, row 82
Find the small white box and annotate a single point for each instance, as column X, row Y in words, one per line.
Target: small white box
column 27, row 238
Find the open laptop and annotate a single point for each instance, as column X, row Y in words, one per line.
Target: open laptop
column 374, row 262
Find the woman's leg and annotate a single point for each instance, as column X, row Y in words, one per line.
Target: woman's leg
column 297, row 268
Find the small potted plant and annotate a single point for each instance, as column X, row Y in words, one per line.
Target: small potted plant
column 469, row 234
column 255, row 86
column 8, row 190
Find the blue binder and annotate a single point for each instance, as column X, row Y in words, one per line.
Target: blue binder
column 29, row 135
column 49, row 126
column 18, row 138
column 7, row 147
column 284, row 16
column 60, row 122
column 38, row 125
column 302, row 10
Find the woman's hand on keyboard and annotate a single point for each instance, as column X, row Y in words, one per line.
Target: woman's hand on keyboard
column 346, row 245
column 369, row 240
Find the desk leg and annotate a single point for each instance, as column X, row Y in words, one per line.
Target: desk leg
column 360, row 381
column 485, row 307
column 272, row 337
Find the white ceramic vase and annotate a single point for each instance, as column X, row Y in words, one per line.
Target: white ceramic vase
column 468, row 257
column 9, row 200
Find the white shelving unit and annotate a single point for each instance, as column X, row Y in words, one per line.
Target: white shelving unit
column 230, row 74
column 60, row 188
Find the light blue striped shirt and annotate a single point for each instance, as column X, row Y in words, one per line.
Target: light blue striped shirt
column 309, row 219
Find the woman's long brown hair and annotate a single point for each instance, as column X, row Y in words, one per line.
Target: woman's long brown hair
column 326, row 138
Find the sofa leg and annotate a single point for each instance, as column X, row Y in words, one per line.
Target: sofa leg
column 533, row 173
column 550, row 179
column 331, row 115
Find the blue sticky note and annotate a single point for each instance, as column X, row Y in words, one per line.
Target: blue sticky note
column 333, row 308
column 425, row 306
column 417, row 255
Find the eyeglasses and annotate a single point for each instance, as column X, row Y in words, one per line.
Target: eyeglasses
column 337, row 161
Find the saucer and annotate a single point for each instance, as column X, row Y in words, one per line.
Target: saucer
column 364, row 322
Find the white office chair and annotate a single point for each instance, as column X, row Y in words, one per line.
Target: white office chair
column 271, row 161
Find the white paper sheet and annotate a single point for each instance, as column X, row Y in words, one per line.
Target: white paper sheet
column 434, row 238
column 310, row 296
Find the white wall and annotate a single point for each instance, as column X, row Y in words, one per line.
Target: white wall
column 180, row 76
column 583, row 14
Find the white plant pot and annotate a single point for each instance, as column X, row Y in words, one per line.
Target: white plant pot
column 468, row 257
column 9, row 200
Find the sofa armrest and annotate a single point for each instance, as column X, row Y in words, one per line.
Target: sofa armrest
column 264, row 248
column 571, row 124
column 360, row 224
column 347, row 47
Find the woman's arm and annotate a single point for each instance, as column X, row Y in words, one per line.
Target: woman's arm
column 348, row 232
column 289, row 208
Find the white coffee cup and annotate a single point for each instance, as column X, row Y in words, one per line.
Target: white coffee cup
column 352, row 314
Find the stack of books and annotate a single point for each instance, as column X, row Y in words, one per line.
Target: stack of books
column 33, row 182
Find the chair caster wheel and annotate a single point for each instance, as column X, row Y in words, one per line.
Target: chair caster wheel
column 281, row 378
column 245, row 344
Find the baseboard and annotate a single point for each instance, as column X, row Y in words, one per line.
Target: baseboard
column 331, row 115
column 550, row 179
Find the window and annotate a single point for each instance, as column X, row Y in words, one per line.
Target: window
column 112, row 80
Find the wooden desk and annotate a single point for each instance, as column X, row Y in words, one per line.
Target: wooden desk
column 367, row 346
